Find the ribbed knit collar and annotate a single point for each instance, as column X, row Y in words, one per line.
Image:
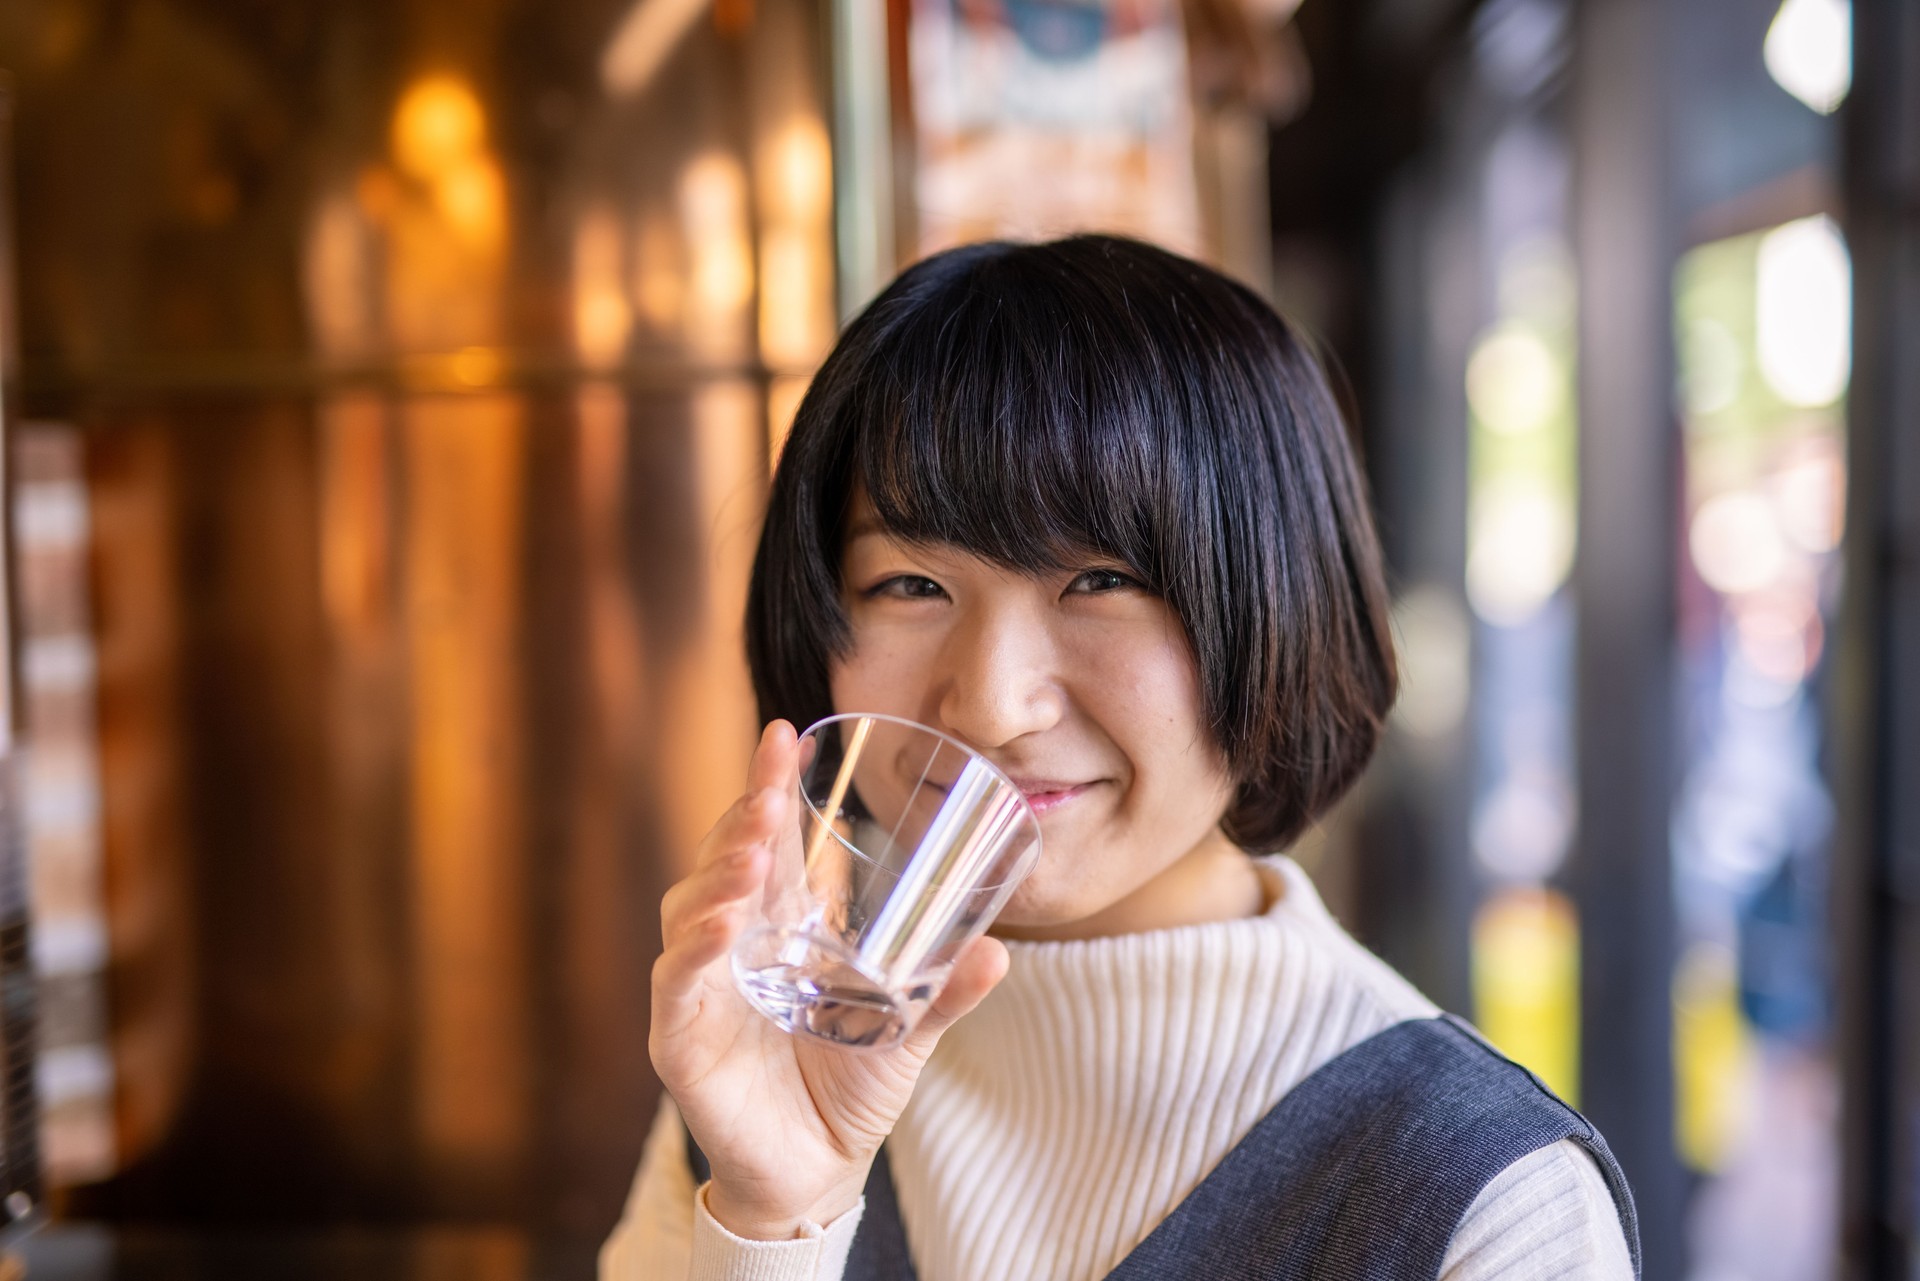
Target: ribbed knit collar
column 1104, row 1077
column 1135, row 1019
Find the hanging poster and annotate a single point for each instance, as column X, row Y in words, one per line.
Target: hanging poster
column 1034, row 118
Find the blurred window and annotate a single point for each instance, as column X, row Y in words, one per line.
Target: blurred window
column 57, row 674
column 1761, row 322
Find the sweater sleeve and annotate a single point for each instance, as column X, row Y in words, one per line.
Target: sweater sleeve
column 1547, row 1216
column 666, row 1233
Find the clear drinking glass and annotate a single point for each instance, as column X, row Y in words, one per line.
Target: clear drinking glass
column 907, row 846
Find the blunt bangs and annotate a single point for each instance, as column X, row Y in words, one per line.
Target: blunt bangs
column 995, row 429
column 1031, row 404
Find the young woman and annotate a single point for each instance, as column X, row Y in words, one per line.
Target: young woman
column 1089, row 507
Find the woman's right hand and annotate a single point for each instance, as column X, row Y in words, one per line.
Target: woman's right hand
column 789, row 1125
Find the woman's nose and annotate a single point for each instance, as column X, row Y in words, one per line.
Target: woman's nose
column 1000, row 683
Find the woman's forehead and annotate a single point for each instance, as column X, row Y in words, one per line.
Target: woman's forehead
column 868, row 535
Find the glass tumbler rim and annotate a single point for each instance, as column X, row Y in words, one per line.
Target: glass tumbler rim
column 1027, row 860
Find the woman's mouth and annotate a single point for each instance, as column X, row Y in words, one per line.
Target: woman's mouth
column 1044, row 795
column 1048, row 795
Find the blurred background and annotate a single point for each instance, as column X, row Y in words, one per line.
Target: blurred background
column 390, row 393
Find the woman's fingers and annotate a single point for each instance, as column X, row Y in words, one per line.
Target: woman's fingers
column 708, row 919
column 749, row 820
column 677, row 973
column 699, row 916
column 775, row 761
column 678, row 977
column 712, row 887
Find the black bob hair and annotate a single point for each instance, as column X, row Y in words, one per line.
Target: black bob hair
column 1030, row 403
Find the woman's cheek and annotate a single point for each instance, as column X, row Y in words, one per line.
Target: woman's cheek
column 879, row 673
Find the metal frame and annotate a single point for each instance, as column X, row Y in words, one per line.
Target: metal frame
column 862, row 152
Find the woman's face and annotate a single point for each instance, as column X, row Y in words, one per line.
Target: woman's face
column 1080, row 685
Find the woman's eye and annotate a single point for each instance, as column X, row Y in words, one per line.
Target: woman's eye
column 908, row 587
column 1095, row 581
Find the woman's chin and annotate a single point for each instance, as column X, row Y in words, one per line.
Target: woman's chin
column 1040, row 904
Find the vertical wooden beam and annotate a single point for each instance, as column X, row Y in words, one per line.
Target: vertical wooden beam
column 1876, row 689
column 1624, row 584
column 366, row 747
column 153, row 918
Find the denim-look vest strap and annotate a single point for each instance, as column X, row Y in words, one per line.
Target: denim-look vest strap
column 879, row 1250
column 1366, row 1168
column 1361, row 1173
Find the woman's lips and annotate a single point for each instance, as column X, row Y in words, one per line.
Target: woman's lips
column 1047, row 795
column 1043, row 794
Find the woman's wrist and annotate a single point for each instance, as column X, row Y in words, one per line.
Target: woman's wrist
column 754, row 1222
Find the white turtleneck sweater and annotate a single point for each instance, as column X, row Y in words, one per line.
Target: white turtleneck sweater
column 1056, row 1125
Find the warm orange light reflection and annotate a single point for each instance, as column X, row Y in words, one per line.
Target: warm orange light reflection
column 710, row 700
column 440, row 140
column 377, row 193
column 437, row 127
column 337, row 276
column 616, row 643
column 796, row 319
column 659, row 290
column 646, row 36
column 464, row 464
column 793, row 171
column 713, row 211
column 476, row 366
column 354, row 549
column 600, row 314
column 473, row 202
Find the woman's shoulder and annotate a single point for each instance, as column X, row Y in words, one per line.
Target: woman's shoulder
column 1549, row 1214
column 1454, row 1134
